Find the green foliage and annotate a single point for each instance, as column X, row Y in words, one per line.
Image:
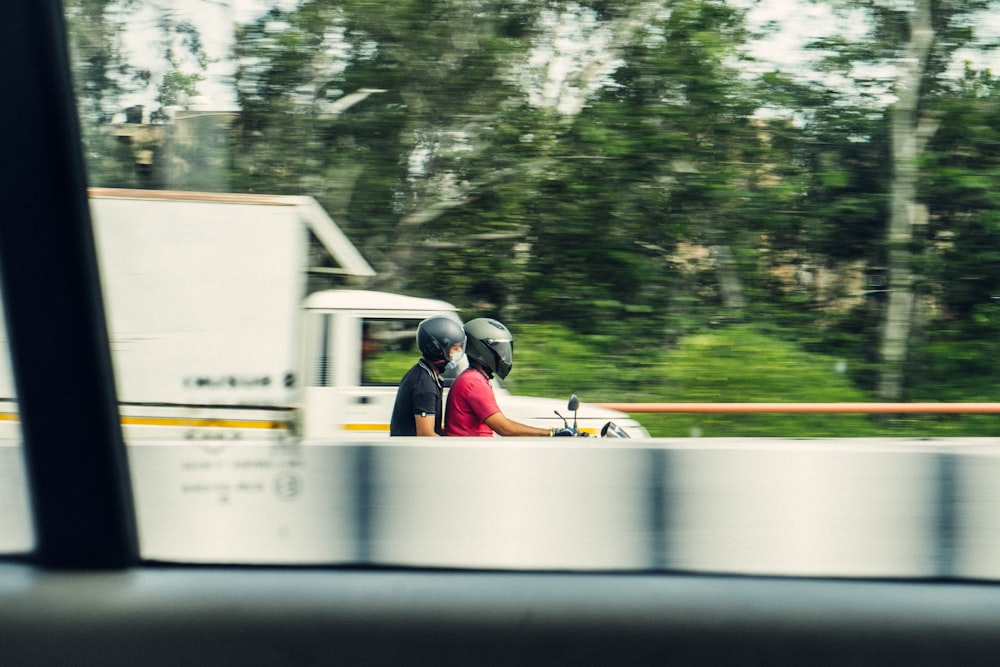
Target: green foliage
column 176, row 85
column 957, row 361
column 734, row 364
column 389, row 367
column 594, row 203
column 962, row 175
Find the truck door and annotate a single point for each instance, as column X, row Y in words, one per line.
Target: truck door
column 387, row 351
column 354, row 363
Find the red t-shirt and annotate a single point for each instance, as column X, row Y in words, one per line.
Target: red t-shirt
column 470, row 402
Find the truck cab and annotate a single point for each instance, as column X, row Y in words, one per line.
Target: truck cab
column 358, row 345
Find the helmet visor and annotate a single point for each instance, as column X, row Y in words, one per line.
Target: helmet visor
column 504, row 351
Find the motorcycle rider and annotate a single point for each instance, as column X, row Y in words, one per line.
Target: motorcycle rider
column 417, row 410
column 472, row 407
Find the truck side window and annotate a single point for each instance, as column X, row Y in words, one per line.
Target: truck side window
column 321, row 372
column 388, row 349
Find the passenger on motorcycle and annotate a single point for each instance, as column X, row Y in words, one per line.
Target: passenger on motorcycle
column 472, row 408
column 417, row 410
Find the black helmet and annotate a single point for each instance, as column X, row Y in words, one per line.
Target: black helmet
column 436, row 336
column 491, row 344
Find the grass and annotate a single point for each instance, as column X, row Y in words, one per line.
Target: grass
column 738, row 363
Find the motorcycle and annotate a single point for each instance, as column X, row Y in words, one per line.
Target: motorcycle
column 609, row 430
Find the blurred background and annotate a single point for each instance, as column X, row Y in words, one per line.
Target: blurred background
column 678, row 200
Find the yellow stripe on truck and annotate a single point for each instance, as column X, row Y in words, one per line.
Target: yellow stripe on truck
column 366, row 427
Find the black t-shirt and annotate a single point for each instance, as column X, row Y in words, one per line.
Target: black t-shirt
column 419, row 394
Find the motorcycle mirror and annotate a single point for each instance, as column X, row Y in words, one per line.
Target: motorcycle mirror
column 613, row 430
column 574, row 403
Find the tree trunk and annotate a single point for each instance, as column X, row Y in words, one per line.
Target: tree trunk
column 905, row 212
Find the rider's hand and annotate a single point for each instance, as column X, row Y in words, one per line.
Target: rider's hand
column 565, row 433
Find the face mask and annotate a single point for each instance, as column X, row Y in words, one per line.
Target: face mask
column 456, row 359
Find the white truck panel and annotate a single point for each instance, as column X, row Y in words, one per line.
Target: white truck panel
column 202, row 299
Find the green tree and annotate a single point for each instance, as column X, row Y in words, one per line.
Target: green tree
column 101, row 77
column 185, row 55
column 583, row 194
column 957, row 356
column 105, row 74
column 916, row 43
column 377, row 97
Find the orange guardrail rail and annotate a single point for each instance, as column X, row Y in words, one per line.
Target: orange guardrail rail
column 868, row 408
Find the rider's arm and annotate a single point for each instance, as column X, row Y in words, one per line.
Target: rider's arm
column 504, row 426
column 425, row 424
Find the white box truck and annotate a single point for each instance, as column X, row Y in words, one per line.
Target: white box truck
column 214, row 335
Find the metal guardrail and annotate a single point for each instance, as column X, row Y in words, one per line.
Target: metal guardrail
column 823, row 507
column 829, row 507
